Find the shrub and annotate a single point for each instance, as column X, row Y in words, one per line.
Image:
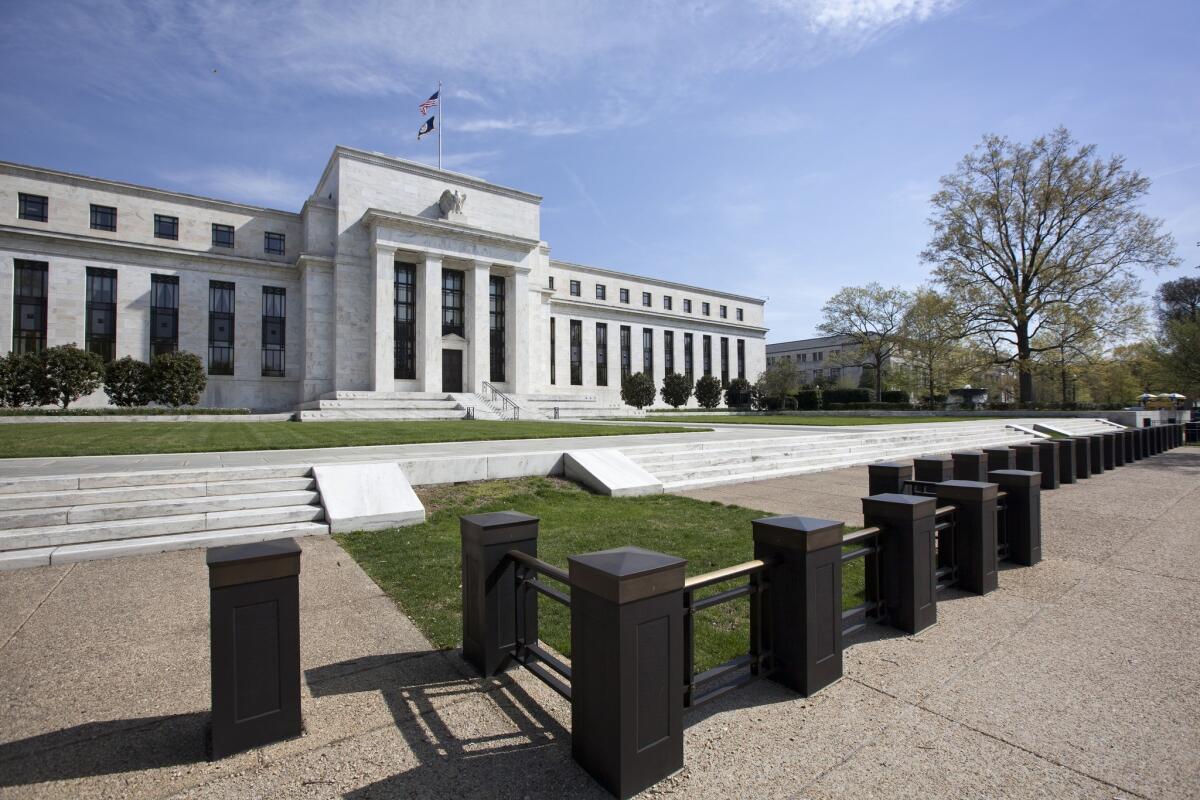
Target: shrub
column 127, row 382
column 177, row 379
column 22, row 380
column 70, row 373
column 808, row 399
column 893, row 396
column 738, row 393
column 676, row 389
column 638, row 390
column 849, row 396
column 708, row 392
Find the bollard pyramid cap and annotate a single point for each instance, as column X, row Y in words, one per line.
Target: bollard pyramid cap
column 626, row 574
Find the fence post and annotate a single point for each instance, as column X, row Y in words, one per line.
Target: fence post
column 907, row 547
column 1022, row 514
column 888, row 477
column 803, row 608
column 1083, row 453
column 1118, row 448
column 626, row 666
column 1096, row 453
column 969, row 465
column 489, row 587
column 1048, row 459
column 1025, row 456
column 1127, row 443
column 1066, row 463
column 1139, row 443
column 1000, row 458
column 1147, row 445
column 1160, row 439
column 933, row 469
column 974, row 532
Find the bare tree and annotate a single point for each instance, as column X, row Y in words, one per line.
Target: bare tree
column 930, row 340
column 1021, row 231
column 869, row 319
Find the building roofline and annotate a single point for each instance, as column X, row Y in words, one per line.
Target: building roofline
column 424, row 170
column 122, row 185
column 812, row 341
column 659, row 281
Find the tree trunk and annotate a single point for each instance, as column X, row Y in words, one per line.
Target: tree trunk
column 878, row 379
column 1064, row 383
column 1024, row 375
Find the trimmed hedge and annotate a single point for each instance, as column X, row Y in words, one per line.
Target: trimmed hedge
column 152, row 411
column 893, row 396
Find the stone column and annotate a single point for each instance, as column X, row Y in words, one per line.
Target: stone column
column 478, row 367
column 429, row 323
column 518, row 316
column 383, row 288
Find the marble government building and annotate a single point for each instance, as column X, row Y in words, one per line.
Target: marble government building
column 395, row 282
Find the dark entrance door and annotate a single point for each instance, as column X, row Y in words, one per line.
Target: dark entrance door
column 452, row 371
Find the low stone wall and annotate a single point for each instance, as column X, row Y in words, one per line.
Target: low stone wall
column 283, row 417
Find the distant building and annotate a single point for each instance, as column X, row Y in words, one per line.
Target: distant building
column 818, row 358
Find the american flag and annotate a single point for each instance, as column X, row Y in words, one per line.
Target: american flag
column 431, row 102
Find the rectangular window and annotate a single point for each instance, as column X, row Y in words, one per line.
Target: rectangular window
column 576, row 352
column 164, row 314
column 626, row 355
column 601, row 354
column 274, row 324
column 601, row 291
column 705, row 309
column 724, row 360
column 220, row 328
column 273, row 243
column 669, row 351
column 741, row 316
column 33, row 207
column 29, row 306
column 624, row 294
column 551, row 284
column 741, row 357
column 724, row 312
column 706, row 354
column 222, row 235
column 452, row 302
column 553, row 376
column 166, row 227
column 689, row 361
column 496, row 327
column 687, row 306
column 646, row 299
column 648, row 352
column 575, row 289
column 404, row 322
column 104, row 218
column 667, row 302
column 100, row 333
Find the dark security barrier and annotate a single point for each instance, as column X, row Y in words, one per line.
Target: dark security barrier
column 888, row 477
column 1096, row 453
column 933, row 469
column 1118, row 448
column 1067, row 455
column 1127, row 439
column 1192, row 432
column 1001, row 458
column 969, row 465
column 1083, row 456
column 1047, row 463
column 1026, row 457
column 254, row 595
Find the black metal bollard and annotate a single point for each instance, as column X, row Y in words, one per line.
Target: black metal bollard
column 969, row 465
column 974, row 539
column 489, row 587
column 804, row 605
column 626, row 663
column 1193, row 432
column 1000, row 458
column 1022, row 514
column 1048, row 462
column 906, row 559
column 254, row 602
column 1127, row 439
column 1083, row 456
column 933, row 469
column 1096, row 453
column 1118, row 447
column 1067, row 455
column 1025, row 456
column 888, row 477
column 1139, row 443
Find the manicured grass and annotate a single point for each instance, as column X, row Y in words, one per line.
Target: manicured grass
column 122, row 438
column 419, row 567
column 780, row 419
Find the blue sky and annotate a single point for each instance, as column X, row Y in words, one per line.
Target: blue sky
column 779, row 148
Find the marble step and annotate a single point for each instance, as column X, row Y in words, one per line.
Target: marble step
column 134, row 494
column 107, row 512
column 369, row 395
column 17, row 485
column 418, row 404
column 344, row 414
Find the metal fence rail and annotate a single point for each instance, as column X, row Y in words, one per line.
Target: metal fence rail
column 872, row 609
column 528, row 650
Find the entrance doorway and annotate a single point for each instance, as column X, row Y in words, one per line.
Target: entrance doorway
column 452, row 370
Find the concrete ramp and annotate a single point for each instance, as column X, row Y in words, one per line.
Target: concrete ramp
column 610, row 472
column 367, row 497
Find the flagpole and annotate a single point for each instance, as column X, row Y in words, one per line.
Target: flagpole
column 442, row 113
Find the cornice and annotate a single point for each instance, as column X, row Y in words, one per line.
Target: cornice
column 436, row 227
column 554, row 262
column 414, row 168
column 642, row 312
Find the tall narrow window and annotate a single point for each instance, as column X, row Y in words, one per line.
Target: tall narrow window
column 496, row 326
column 576, row 352
column 646, row 299
column 452, row 302
column 623, row 294
column 404, row 321
column 222, row 235
column 33, row 207
column 705, row 309
column 601, row 354
column 741, row 356
column 164, row 314
column 689, row 361
column 669, row 351
column 274, row 324
column 687, row 306
column 104, row 218
column 101, row 330
column 273, row 243
column 706, row 354
column 601, row 291
column 29, row 306
column 648, row 352
column 741, row 316
column 724, row 312
column 626, row 356
column 724, row 359
column 553, row 375
column 667, row 302
column 575, row 289
column 220, row 328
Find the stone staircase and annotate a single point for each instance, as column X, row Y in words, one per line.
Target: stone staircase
column 70, row 518
column 695, row 465
column 345, row 405
column 542, row 406
column 1078, row 426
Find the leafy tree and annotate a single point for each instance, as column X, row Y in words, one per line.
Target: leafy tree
column 930, row 335
column 737, row 393
column 1178, row 300
column 777, row 382
column 1021, row 231
column 1178, row 355
column 638, row 390
column 70, row 373
column 127, row 382
column 676, row 389
column 708, row 391
column 177, row 378
column 868, row 318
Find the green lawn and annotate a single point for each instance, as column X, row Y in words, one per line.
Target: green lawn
column 780, row 419
column 122, row 438
column 419, row 567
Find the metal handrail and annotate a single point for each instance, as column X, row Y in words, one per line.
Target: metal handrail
column 508, row 405
column 537, row 565
column 725, row 574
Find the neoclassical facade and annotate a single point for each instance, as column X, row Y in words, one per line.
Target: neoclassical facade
column 393, row 278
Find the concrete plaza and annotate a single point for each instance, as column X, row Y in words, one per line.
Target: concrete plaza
column 1077, row 678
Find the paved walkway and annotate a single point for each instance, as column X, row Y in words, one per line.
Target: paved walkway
column 1077, row 678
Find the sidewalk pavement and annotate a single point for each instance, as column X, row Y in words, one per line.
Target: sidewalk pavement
column 1077, row 678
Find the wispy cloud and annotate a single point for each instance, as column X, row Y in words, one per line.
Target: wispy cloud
column 254, row 187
